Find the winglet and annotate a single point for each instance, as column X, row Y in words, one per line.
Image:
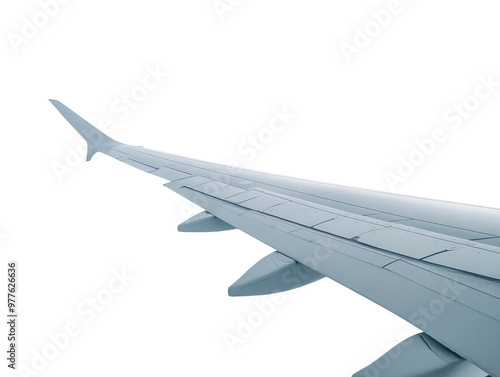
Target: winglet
column 96, row 140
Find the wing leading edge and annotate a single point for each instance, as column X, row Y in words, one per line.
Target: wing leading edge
column 405, row 269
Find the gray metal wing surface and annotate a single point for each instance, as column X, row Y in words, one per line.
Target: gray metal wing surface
column 435, row 264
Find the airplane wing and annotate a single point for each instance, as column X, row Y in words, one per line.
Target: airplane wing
column 434, row 264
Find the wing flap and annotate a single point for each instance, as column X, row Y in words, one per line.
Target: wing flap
column 470, row 259
column 136, row 164
column 400, row 240
column 452, row 287
column 473, row 334
column 349, row 248
column 347, row 228
column 170, row 174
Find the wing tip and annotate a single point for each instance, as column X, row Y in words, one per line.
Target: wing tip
column 96, row 140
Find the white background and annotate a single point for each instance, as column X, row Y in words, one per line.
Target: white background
column 227, row 72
